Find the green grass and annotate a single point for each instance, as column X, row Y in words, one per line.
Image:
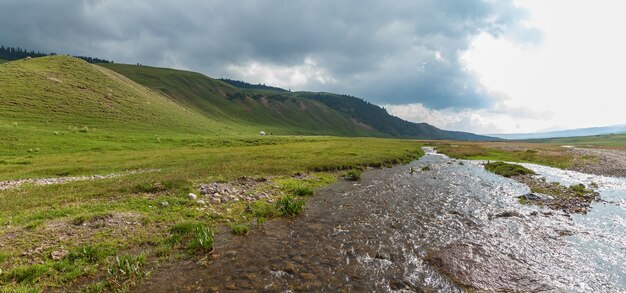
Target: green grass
column 548, row 155
column 353, row 175
column 611, row 140
column 239, row 228
column 65, row 94
column 507, row 170
column 290, row 206
column 3, row 61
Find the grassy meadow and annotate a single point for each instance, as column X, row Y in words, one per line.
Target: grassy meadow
column 522, row 152
column 36, row 218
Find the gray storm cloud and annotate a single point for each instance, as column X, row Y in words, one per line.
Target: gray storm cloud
column 389, row 52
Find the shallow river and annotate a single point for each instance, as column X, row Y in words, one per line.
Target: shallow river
column 446, row 229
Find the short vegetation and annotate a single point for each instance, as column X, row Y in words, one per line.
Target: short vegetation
column 507, row 170
column 290, row 206
column 353, row 175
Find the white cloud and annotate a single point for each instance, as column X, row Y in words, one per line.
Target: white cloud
column 295, row 76
column 574, row 76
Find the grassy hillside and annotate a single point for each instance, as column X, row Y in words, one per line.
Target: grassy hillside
column 58, row 92
column 612, row 140
column 280, row 111
column 3, row 61
column 378, row 118
column 267, row 110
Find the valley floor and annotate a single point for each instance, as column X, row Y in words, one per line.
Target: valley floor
column 113, row 232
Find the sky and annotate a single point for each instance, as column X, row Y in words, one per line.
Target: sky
column 484, row 66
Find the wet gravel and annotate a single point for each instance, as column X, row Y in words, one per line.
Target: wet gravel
column 609, row 162
column 450, row 228
column 60, row 180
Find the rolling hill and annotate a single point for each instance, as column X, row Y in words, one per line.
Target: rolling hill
column 281, row 111
column 62, row 91
column 57, row 92
column 266, row 110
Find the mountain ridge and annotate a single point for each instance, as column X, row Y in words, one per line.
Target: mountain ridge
column 367, row 119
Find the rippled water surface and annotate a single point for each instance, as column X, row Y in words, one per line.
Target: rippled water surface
column 452, row 227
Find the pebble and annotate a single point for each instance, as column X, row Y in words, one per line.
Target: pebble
column 59, row 254
column 165, row 203
column 192, row 196
column 289, row 268
column 202, row 202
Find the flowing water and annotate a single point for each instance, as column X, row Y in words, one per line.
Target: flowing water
column 446, row 229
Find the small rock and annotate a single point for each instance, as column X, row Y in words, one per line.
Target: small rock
column 59, row 254
column 216, row 200
column 192, row 196
column 165, row 203
column 248, row 210
column 231, row 287
column 202, row 202
column 530, row 196
column 382, row 255
column 290, row 268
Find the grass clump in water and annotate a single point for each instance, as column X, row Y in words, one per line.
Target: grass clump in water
column 353, row 175
column 507, row 170
column 580, row 189
column 126, row 272
column 203, row 240
column 289, row 206
column 263, row 210
column 240, row 228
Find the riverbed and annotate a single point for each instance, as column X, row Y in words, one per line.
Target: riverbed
column 446, row 228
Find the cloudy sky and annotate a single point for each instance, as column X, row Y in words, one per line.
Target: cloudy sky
column 491, row 66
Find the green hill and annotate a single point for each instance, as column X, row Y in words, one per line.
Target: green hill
column 267, row 110
column 64, row 91
column 279, row 111
column 379, row 119
column 3, row 61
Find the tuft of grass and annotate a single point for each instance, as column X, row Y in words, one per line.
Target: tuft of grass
column 580, row 189
column 28, row 274
column 263, row 211
column 353, row 175
column 302, row 190
column 202, row 240
column 288, row 206
column 91, row 253
column 239, row 228
column 126, row 271
column 426, row 168
column 507, row 170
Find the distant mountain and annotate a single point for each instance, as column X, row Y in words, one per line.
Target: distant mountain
column 281, row 111
column 615, row 129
